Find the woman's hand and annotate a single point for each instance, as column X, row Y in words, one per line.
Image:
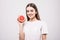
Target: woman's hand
column 21, row 20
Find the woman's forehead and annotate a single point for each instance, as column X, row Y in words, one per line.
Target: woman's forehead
column 30, row 8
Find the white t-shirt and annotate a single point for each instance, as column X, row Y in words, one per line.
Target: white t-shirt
column 33, row 30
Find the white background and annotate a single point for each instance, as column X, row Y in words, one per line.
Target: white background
column 10, row 9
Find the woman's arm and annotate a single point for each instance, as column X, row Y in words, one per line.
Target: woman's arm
column 21, row 26
column 44, row 36
column 21, row 36
column 21, row 33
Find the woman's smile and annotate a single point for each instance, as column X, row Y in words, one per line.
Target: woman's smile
column 30, row 15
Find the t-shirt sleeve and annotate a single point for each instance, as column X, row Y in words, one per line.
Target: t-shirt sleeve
column 44, row 28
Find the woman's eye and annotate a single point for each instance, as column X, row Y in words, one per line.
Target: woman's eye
column 31, row 10
column 27, row 11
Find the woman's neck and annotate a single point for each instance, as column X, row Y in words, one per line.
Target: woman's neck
column 33, row 19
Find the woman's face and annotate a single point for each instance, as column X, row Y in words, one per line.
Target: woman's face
column 30, row 12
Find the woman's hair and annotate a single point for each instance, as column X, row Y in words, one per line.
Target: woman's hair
column 33, row 6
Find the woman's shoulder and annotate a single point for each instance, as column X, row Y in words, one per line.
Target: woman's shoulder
column 42, row 21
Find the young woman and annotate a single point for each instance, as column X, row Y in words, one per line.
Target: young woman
column 34, row 28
